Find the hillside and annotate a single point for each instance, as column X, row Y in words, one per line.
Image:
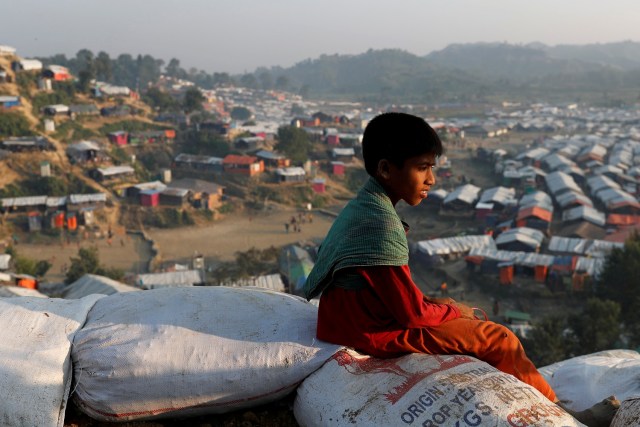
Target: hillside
column 473, row 72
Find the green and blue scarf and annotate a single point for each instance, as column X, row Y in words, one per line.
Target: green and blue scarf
column 368, row 232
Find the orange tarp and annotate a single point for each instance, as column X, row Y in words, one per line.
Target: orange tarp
column 540, row 273
column 506, row 275
column 534, row 211
column 619, row 219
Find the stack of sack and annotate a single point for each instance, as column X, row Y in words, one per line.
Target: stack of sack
column 178, row 352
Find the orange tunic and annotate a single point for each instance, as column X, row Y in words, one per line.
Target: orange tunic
column 390, row 317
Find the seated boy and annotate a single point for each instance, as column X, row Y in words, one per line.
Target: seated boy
column 369, row 301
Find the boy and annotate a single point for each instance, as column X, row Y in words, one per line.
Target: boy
column 369, row 301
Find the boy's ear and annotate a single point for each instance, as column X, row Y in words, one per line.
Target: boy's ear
column 383, row 170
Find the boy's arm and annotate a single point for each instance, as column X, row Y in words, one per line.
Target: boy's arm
column 394, row 286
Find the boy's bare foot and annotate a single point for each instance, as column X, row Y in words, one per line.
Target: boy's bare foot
column 599, row 415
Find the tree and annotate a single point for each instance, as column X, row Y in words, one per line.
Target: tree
column 618, row 280
column 103, row 67
column 173, row 69
column 160, row 100
column 88, row 262
column 14, row 124
column 249, row 81
column 193, row 100
column 297, row 110
column 282, row 83
column 597, row 328
column 294, row 143
column 241, row 113
column 547, row 342
column 24, row 265
column 266, row 81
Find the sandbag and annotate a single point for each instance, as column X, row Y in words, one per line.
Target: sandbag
column 420, row 390
column 35, row 373
column 193, row 351
column 583, row 381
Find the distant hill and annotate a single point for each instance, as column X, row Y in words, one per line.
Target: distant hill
column 623, row 55
column 502, row 60
column 476, row 71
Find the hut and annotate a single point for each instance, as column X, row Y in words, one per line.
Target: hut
column 291, row 174
column 318, row 185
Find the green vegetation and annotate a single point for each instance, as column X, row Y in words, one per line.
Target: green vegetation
column 294, row 143
column 14, row 124
column 167, row 218
column 619, row 282
column 241, row 113
column 129, row 126
column 205, row 143
column 608, row 320
column 73, row 130
column 160, row 100
column 50, row 186
column 88, row 262
column 254, row 262
column 43, row 99
column 193, row 100
column 24, row 265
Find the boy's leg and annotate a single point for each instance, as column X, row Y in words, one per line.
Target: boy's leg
column 487, row 341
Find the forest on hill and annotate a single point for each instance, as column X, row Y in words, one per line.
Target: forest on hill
column 476, row 72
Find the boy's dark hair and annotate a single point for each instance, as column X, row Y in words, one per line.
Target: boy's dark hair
column 397, row 137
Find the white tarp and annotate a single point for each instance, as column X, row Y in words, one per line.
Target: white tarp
column 420, row 390
column 583, row 381
column 92, row 284
column 458, row 244
column 35, row 374
column 193, row 351
column 19, row 291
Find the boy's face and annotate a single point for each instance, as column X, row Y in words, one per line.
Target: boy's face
column 410, row 183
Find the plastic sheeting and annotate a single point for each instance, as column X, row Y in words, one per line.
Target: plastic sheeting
column 453, row 245
column 193, row 351
column 35, row 374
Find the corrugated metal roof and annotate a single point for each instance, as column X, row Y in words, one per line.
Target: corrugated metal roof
column 93, row 284
column 170, row 279
column 571, row 197
column 528, row 259
column 272, row 282
column 468, row 193
column 585, row 213
column 457, row 244
column 87, row 198
column 560, row 181
column 502, row 195
column 24, row 201
column 293, row 171
column 193, row 158
column 115, row 170
column 54, row 202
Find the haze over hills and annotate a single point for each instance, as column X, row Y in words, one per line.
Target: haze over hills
column 475, row 72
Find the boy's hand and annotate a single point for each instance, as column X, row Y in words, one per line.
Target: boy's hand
column 440, row 300
column 466, row 312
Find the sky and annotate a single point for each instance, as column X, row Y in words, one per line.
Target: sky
column 237, row 36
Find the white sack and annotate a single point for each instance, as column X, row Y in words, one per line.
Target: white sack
column 193, row 351
column 583, row 381
column 35, row 344
column 420, row 390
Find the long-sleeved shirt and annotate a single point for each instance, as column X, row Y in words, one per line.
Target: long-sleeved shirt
column 377, row 318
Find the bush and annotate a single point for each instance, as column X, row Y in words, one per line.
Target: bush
column 14, row 124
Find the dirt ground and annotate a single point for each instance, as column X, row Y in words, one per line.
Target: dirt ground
column 221, row 240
